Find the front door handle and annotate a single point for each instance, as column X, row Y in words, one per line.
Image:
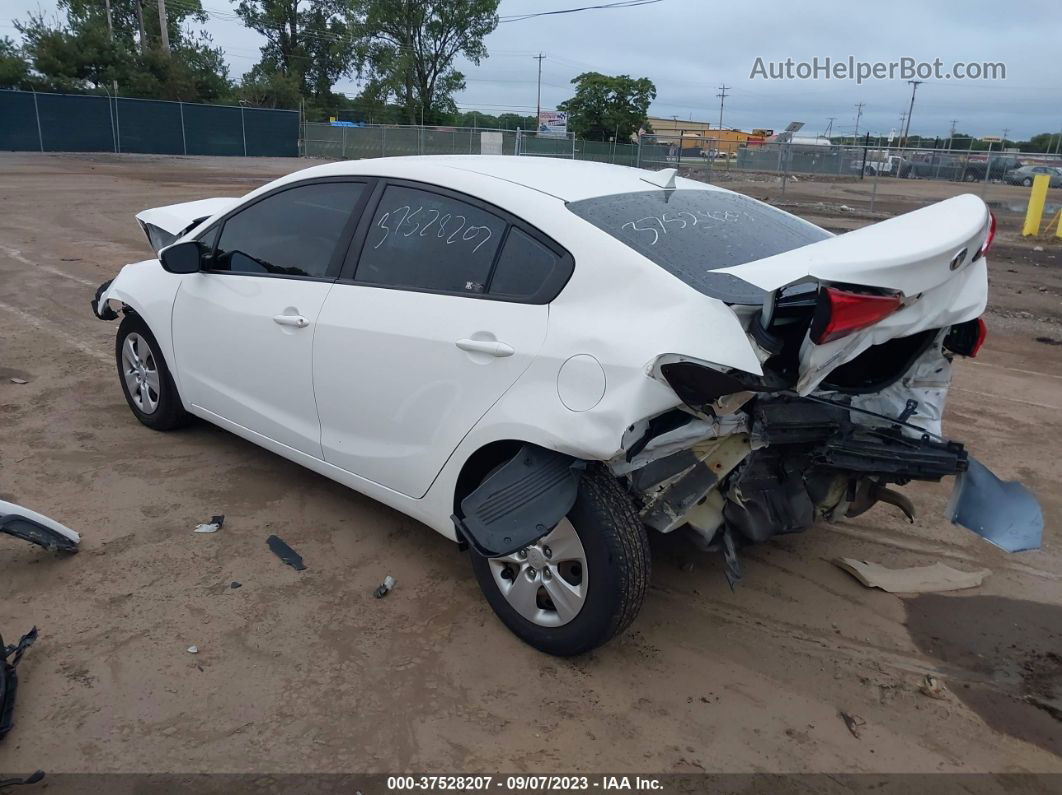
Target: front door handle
column 489, row 347
column 298, row 321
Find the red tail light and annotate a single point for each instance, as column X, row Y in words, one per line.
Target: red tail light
column 982, row 329
column 991, row 233
column 840, row 312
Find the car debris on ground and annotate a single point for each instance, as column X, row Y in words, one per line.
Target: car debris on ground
column 193, row 650
column 933, row 687
column 285, row 553
column 212, row 526
column 385, row 587
column 915, row 579
column 37, row 528
column 9, row 679
column 853, row 722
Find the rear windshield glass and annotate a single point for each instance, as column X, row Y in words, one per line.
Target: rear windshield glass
column 692, row 233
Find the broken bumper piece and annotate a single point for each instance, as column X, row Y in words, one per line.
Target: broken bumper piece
column 36, row 528
column 1000, row 511
column 9, row 659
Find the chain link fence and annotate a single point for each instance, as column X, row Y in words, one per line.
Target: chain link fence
column 32, row 121
column 871, row 159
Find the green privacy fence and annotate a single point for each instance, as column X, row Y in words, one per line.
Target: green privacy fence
column 31, row 121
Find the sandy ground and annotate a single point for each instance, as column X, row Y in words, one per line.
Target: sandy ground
column 305, row 671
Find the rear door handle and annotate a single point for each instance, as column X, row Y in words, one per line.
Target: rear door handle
column 490, row 347
column 298, row 321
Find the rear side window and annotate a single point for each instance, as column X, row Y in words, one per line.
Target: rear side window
column 692, row 233
column 427, row 241
column 525, row 268
column 291, row 233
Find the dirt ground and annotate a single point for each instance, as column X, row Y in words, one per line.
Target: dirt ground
column 307, row 672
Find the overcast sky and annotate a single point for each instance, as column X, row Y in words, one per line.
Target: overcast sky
column 690, row 47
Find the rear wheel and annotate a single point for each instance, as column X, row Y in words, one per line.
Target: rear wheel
column 146, row 382
column 581, row 584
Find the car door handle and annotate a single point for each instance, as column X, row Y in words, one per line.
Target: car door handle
column 490, row 347
column 298, row 321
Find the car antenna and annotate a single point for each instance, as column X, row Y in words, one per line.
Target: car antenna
column 664, row 178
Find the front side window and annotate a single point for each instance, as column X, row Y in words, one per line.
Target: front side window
column 426, row 241
column 291, row 233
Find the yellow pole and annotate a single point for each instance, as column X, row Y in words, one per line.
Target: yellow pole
column 1037, row 198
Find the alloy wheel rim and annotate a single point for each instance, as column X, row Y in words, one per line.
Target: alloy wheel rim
column 141, row 373
column 545, row 582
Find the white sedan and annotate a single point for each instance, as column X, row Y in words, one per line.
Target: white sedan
column 541, row 359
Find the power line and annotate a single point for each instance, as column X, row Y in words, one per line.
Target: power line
column 621, row 4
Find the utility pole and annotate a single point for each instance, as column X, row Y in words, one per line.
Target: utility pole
column 859, row 115
column 538, row 102
column 1003, row 143
column 829, row 126
column 164, row 30
column 951, row 132
column 722, row 98
column 910, row 110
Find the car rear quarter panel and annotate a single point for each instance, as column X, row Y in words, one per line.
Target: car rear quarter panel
column 624, row 311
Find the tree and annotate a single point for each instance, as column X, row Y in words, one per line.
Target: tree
column 606, row 106
column 406, row 49
column 307, row 41
column 81, row 53
column 14, row 68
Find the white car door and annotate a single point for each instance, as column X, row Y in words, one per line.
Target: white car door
column 243, row 328
column 441, row 313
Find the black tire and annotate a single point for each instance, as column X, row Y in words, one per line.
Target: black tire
column 969, row 176
column 618, row 570
column 169, row 413
column 1026, row 182
column 868, row 171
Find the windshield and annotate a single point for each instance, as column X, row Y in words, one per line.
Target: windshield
column 693, row 233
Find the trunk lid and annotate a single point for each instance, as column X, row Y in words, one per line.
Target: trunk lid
column 931, row 258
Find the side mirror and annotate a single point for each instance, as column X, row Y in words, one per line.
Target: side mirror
column 184, row 257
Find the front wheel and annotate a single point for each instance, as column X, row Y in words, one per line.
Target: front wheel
column 1026, row 182
column 581, row 584
column 146, row 382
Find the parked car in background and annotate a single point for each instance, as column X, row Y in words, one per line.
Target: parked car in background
column 959, row 167
column 1025, row 175
column 883, row 165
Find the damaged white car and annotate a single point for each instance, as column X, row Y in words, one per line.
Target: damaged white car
column 541, row 359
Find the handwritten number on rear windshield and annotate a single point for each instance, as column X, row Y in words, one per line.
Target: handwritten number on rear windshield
column 405, row 221
column 653, row 227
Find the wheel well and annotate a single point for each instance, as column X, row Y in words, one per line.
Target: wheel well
column 480, row 464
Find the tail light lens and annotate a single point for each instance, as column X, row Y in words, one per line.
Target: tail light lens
column 840, row 312
column 991, row 233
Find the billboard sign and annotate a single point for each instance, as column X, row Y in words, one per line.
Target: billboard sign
column 553, row 122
